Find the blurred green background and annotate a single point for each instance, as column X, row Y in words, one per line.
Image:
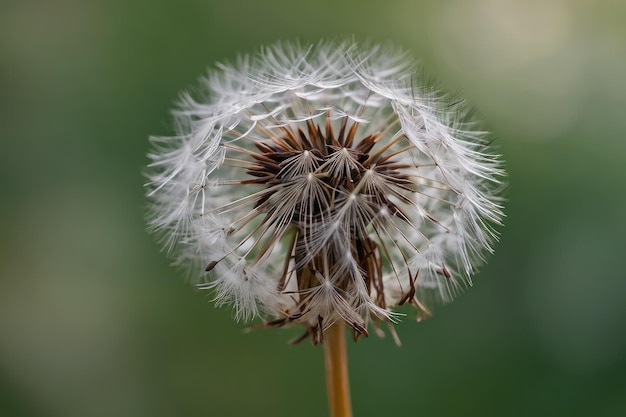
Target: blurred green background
column 94, row 321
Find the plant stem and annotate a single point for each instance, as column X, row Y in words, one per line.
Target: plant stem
column 336, row 361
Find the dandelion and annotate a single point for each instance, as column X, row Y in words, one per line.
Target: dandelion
column 323, row 186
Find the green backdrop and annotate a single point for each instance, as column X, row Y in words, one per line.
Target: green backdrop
column 94, row 322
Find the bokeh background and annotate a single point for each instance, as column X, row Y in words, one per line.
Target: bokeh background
column 94, row 321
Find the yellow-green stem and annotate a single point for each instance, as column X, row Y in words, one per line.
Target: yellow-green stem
column 337, row 382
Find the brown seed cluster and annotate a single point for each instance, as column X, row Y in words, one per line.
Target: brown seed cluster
column 346, row 173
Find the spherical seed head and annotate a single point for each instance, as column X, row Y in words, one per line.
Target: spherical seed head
column 323, row 183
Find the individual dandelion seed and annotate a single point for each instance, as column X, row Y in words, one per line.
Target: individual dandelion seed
column 323, row 184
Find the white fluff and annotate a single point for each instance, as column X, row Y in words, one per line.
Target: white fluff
column 431, row 233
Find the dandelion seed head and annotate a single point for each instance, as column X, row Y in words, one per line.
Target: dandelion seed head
column 323, row 183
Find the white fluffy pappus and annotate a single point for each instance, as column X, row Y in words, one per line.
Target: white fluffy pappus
column 322, row 183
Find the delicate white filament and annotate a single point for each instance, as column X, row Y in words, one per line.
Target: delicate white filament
column 411, row 193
